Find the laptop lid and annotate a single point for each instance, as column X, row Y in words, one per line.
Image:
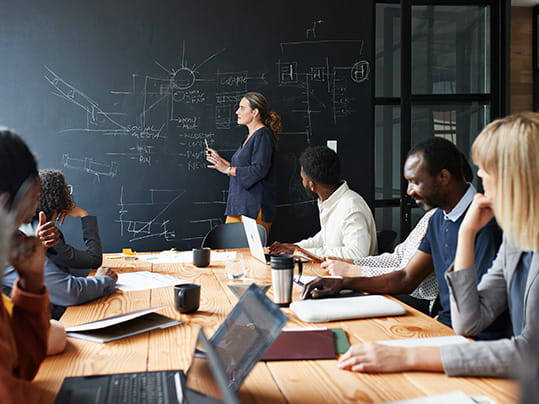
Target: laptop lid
column 253, row 238
column 247, row 332
column 206, row 376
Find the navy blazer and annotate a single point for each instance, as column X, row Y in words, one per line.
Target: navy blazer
column 253, row 186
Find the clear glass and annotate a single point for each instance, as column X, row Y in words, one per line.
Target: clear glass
column 388, row 218
column 235, row 267
column 388, row 50
column 459, row 123
column 387, row 152
column 451, row 49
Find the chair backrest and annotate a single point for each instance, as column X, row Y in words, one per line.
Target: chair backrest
column 230, row 235
column 385, row 240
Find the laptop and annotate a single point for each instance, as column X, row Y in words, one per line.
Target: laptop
column 253, row 238
column 217, row 370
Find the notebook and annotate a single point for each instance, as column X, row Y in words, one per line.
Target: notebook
column 218, row 366
column 346, row 308
column 302, row 344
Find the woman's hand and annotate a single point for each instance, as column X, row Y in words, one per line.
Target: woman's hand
column 340, row 268
column 478, row 215
column 331, row 257
column 217, row 162
column 375, row 358
column 28, row 259
column 47, row 232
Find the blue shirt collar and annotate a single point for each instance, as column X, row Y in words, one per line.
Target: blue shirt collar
column 462, row 205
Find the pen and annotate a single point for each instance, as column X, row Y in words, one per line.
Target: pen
column 206, row 141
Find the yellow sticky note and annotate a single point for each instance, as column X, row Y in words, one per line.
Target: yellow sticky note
column 127, row 251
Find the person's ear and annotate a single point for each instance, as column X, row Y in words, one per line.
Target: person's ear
column 4, row 200
column 256, row 112
column 444, row 176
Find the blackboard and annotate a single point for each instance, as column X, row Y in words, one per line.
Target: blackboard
column 120, row 95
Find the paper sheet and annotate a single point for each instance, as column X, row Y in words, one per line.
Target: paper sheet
column 433, row 341
column 141, row 280
column 184, row 257
column 453, row 397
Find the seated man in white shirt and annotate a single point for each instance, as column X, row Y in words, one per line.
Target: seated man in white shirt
column 347, row 226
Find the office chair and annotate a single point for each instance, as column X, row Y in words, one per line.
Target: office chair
column 230, row 235
column 385, row 240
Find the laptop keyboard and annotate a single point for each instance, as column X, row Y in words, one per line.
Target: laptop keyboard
column 138, row 388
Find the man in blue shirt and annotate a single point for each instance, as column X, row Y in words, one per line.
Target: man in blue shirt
column 435, row 178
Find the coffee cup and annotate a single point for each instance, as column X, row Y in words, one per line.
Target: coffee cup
column 187, row 297
column 282, row 277
column 201, row 256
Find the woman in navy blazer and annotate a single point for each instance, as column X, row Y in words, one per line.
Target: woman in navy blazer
column 251, row 191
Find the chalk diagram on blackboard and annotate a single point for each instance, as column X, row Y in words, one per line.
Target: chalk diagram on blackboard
column 88, row 165
column 160, row 203
column 314, row 67
column 156, row 113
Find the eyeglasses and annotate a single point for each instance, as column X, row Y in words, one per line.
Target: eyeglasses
column 69, row 189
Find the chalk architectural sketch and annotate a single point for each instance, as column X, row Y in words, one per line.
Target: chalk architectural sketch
column 160, row 119
column 148, row 219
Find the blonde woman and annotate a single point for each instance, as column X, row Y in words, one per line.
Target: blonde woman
column 506, row 153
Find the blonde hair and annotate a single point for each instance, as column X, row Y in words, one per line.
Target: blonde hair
column 507, row 149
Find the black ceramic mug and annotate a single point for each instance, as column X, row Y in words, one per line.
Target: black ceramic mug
column 187, row 297
column 201, row 256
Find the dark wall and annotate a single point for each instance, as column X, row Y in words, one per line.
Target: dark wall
column 120, row 95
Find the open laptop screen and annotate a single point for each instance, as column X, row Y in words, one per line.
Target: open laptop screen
column 247, row 332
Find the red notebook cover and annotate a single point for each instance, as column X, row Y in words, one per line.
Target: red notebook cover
column 302, row 345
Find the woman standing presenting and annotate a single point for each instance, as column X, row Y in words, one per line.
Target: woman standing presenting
column 251, row 190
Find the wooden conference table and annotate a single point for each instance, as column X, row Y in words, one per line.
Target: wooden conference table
column 276, row 382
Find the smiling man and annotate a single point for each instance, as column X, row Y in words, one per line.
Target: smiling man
column 435, row 178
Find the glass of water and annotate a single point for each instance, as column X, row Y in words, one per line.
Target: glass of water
column 235, row 267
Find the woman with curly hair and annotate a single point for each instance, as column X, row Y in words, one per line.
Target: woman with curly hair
column 57, row 204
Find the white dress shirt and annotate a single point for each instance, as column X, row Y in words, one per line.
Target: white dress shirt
column 347, row 226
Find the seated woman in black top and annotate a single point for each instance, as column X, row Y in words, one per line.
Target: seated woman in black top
column 57, row 204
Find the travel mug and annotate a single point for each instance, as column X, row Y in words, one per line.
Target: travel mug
column 282, row 277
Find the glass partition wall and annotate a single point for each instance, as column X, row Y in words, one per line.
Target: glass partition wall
column 437, row 73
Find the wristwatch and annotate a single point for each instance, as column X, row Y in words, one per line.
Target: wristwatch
column 229, row 168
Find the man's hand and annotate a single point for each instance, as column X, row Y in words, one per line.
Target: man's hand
column 341, row 268
column 47, row 232
column 282, row 248
column 107, row 272
column 375, row 358
column 28, row 259
column 321, row 287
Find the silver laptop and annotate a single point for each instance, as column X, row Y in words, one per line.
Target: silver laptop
column 253, row 238
column 218, row 367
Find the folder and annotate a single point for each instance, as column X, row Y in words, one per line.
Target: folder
column 122, row 326
column 302, row 344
